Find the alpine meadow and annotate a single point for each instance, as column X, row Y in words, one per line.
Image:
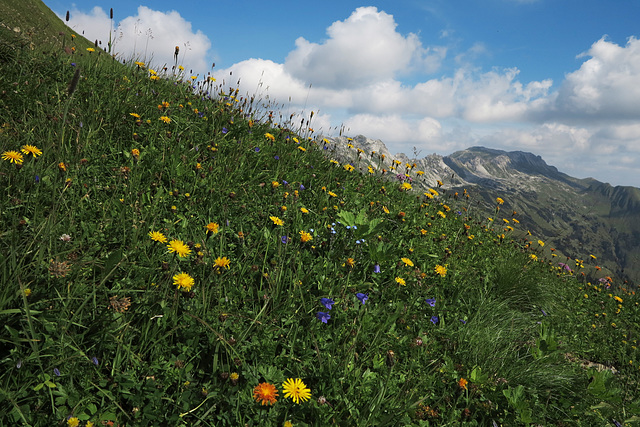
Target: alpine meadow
column 175, row 252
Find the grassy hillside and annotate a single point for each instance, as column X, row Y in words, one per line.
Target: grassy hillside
column 170, row 255
column 30, row 24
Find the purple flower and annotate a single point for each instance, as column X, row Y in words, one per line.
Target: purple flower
column 302, row 187
column 224, row 130
column 37, row 178
column 56, row 371
column 565, row 266
column 284, row 239
column 323, row 316
column 362, row 297
column 544, row 313
column 431, row 302
column 257, row 149
column 434, row 320
column 376, row 268
column 327, row 302
column 285, row 182
column 464, row 322
column 276, row 157
column 95, row 361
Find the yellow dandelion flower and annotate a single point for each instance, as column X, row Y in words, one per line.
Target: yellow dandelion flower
column 270, row 137
column 212, row 228
column 385, row 209
column 405, row 186
column 332, row 194
column 441, row 270
column 31, row 149
column 157, row 236
column 178, row 247
column 540, row 242
column 407, row 262
column 500, row 201
column 301, row 148
column 183, row 281
column 348, row 168
column 296, row 390
column 13, row 157
column 304, row 210
column 401, row 281
column 90, row 49
column 165, row 119
column 265, row 393
column 222, row 262
column 276, row 220
column 462, row 383
column 305, row 237
column 617, row 298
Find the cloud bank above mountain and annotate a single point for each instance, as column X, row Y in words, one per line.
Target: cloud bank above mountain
column 369, row 78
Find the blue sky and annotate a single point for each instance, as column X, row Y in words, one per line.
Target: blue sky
column 560, row 79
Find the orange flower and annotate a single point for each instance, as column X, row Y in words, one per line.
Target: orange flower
column 265, row 393
column 463, row 383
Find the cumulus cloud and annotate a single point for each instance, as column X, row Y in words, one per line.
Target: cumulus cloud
column 363, row 49
column 149, row 36
column 394, row 129
column 606, row 86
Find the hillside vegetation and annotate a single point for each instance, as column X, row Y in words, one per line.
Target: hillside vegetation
column 176, row 253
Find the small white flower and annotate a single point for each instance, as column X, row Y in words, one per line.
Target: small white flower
column 65, row 238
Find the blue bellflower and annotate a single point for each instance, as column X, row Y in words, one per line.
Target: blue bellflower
column 323, row 316
column 362, row 297
column 327, row 302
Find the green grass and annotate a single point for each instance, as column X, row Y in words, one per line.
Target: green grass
column 94, row 327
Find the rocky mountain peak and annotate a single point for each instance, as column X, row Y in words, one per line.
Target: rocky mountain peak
column 578, row 217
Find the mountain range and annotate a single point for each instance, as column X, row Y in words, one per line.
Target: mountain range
column 591, row 226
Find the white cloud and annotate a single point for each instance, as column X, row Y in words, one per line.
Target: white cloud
column 148, row 36
column 398, row 133
column 606, row 86
column 363, row 49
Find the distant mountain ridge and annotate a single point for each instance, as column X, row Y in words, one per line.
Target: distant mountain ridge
column 576, row 217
